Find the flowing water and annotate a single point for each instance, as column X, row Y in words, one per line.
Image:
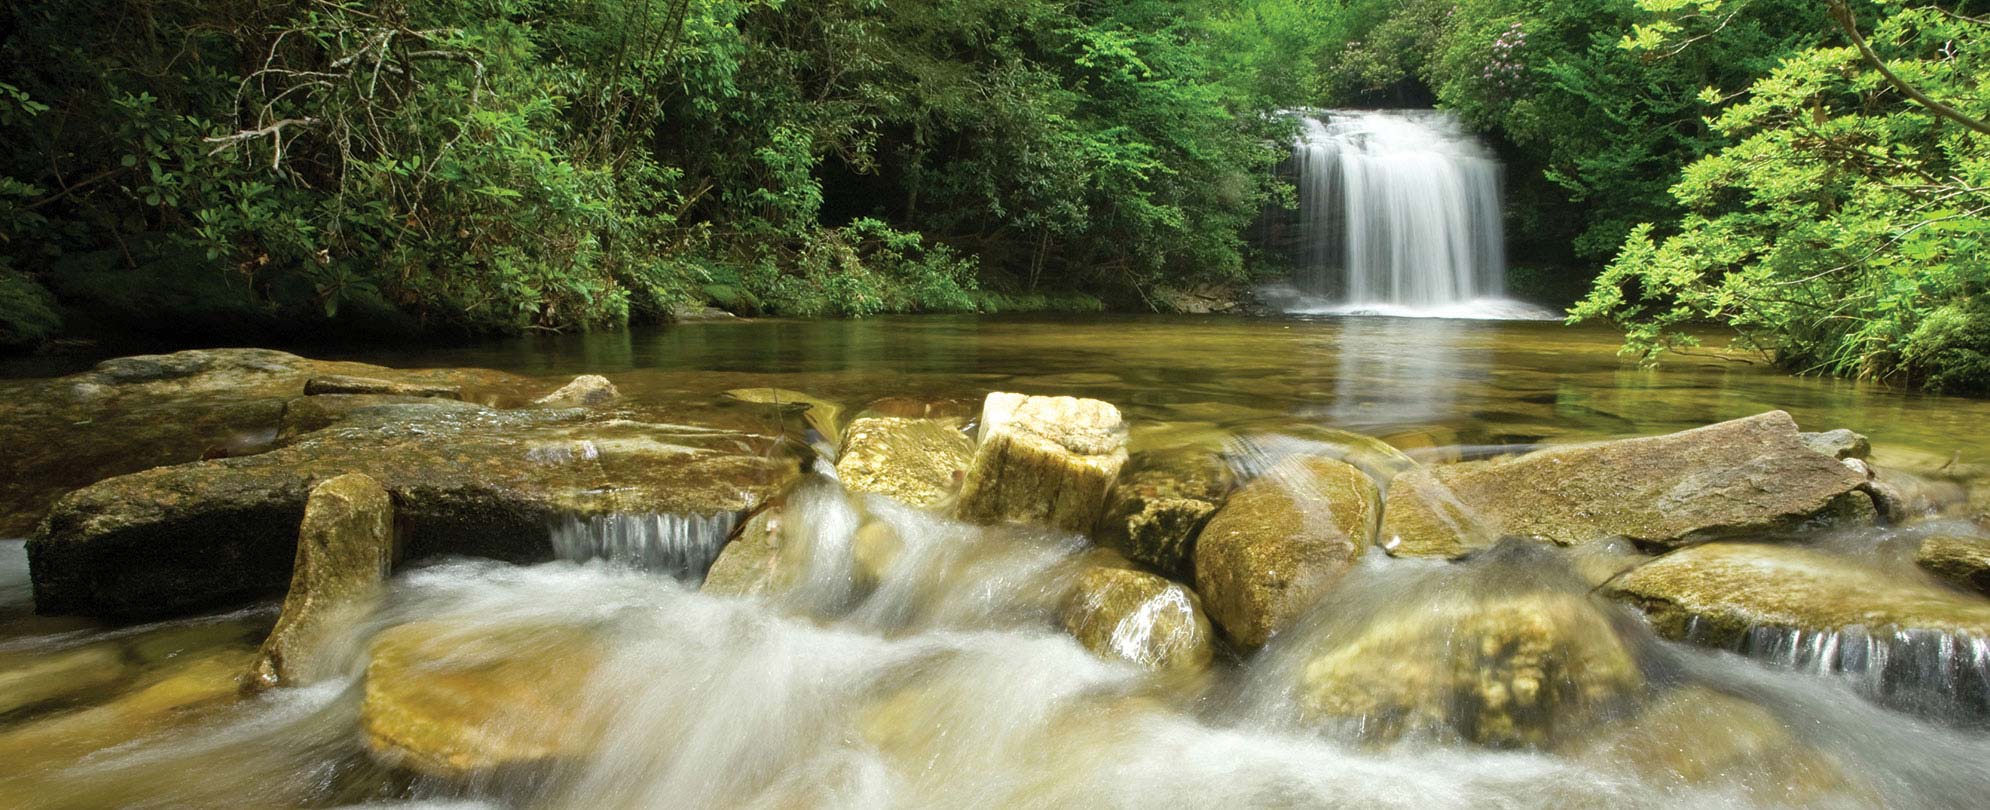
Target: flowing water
column 941, row 678
column 1399, row 214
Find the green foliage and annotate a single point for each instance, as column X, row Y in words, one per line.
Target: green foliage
column 1843, row 228
column 27, row 312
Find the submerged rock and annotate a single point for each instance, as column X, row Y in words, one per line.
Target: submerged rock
column 477, row 482
column 1962, row 561
column 1715, row 593
column 30, row 679
column 134, row 413
column 1700, row 738
column 916, row 461
column 1517, row 670
column 1739, row 477
column 823, row 416
column 1043, row 460
column 345, row 546
column 1121, row 613
column 446, row 702
column 1160, row 503
column 309, row 414
column 586, row 391
column 1281, row 542
column 349, row 384
column 158, row 701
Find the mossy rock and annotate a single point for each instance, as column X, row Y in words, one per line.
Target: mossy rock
column 1159, row 505
column 1043, row 460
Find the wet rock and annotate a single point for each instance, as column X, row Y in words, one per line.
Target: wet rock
column 134, row 413
column 586, row 391
column 1043, row 460
column 1280, row 542
column 1700, row 738
column 30, row 679
column 474, row 482
column 1121, row 613
column 1715, row 593
column 1741, row 477
column 916, row 461
column 348, row 384
column 823, row 416
column 1518, row 670
column 946, row 409
column 448, row 702
column 692, row 313
column 753, row 562
column 307, row 414
column 1839, row 444
column 159, row 701
column 1904, row 497
column 1159, row 504
column 1962, row 561
column 345, row 546
column 1423, row 518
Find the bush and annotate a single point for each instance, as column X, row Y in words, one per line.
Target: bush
column 27, row 312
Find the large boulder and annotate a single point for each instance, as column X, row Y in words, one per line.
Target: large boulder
column 1282, row 541
column 447, row 702
column 1043, row 460
column 1746, row 476
column 1961, row 560
column 916, row 461
column 1527, row 669
column 465, row 481
column 1422, row 518
column 153, row 410
column 1117, row 612
column 586, row 391
column 345, row 547
column 1160, row 503
column 1716, row 593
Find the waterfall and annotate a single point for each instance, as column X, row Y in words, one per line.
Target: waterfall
column 680, row 545
column 1399, row 213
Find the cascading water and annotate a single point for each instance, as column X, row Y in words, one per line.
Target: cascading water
column 1399, row 214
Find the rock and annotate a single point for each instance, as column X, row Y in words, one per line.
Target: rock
column 1743, row 477
column 30, row 679
column 690, row 313
column 1160, row 502
column 1515, row 670
column 1423, row 518
column 1700, row 738
column 586, row 391
column 1715, row 593
column 1839, row 444
column 450, row 702
column 346, row 384
column 916, row 461
column 1122, row 613
column 1043, row 460
column 1904, row 497
column 944, row 409
column 465, row 481
column 821, row 414
column 752, row 562
column 1962, row 561
column 1281, row 542
column 344, row 549
column 135, row 413
column 159, row 701
column 308, row 414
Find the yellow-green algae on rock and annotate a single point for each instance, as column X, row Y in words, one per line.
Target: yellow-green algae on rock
column 1717, row 592
column 1280, row 542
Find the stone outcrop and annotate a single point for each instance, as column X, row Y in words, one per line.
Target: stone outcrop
column 152, row 410
column 916, row 461
column 1960, row 560
column 1282, row 541
column 586, row 391
column 1043, row 460
column 349, row 384
column 1735, row 478
column 1160, row 503
column 345, row 547
column 1518, row 670
column 1715, row 593
column 1117, row 612
column 465, row 481
column 446, row 702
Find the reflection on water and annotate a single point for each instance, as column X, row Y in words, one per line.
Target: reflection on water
column 906, row 660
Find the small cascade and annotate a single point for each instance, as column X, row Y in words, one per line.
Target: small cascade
column 1931, row 674
column 683, row 546
column 1399, row 213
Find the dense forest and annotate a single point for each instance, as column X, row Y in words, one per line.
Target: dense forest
column 1813, row 175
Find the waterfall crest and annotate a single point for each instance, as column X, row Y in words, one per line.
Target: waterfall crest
column 1399, row 213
